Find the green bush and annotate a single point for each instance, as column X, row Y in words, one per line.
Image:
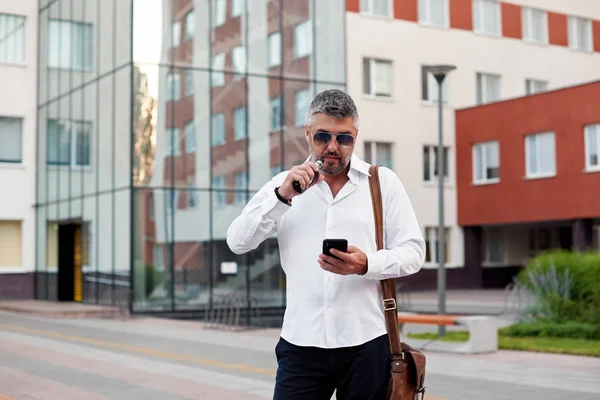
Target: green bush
column 566, row 286
column 146, row 280
column 571, row 329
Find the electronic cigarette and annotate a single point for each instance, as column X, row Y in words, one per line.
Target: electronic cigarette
column 296, row 184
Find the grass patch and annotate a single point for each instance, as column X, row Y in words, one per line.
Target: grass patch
column 559, row 345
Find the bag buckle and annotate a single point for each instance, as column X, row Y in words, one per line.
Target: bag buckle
column 418, row 392
column 389, row 304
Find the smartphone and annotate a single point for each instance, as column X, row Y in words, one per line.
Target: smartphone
column 339, row 244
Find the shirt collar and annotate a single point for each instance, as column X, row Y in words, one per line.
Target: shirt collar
column 357, row 166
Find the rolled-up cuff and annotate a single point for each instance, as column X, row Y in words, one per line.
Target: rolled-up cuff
column 375, row 264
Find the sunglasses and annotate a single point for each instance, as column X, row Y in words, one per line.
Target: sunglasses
column 322, row 138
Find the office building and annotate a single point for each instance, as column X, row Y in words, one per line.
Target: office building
column 501, row 50
column 528, row 179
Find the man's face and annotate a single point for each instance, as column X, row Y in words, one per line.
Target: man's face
column 332, row 140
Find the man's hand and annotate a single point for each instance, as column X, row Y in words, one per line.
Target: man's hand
column 352, row 262
column 302, row 173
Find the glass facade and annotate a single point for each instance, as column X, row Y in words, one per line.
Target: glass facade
column 158, row 119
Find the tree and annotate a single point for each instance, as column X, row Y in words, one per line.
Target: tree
column 144, row 128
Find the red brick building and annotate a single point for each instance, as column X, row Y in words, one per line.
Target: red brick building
column 528, row 179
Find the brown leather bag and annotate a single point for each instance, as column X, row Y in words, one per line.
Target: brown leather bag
column 407, row 375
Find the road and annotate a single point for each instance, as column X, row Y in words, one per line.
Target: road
column 150, row 358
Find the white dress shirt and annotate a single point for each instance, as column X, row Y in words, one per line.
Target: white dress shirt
column 325, row 309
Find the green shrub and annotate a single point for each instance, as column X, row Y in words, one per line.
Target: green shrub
column 566, row 286
column 571, row 329
column 146, row 279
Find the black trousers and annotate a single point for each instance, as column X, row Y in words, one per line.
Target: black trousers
column 312, row 373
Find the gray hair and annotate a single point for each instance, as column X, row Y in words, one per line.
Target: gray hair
column 333, row 103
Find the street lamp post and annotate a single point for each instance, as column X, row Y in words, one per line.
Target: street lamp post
column 439, row 72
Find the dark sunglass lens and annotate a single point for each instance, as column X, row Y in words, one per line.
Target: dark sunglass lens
column 345, row 140
column 322, row 138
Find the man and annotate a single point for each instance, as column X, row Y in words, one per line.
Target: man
column 334, row 334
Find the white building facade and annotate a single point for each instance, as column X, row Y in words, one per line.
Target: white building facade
column 18, row 77
column 500, row 50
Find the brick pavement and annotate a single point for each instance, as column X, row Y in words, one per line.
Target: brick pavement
column 165, row 359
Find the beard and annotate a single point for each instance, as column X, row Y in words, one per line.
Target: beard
column 329, row 168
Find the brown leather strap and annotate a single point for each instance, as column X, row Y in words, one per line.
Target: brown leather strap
column 388, row 286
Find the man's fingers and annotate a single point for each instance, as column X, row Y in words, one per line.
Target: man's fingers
column 340, row 254
column 331, row 260
column 353, row 249
column 302, row 178
column 332, row 267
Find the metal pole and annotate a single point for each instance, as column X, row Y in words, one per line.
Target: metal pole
column 441, row 232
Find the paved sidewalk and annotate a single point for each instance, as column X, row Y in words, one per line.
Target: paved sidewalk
column 148, row 358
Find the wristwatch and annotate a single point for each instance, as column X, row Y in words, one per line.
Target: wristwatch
column 286, row 201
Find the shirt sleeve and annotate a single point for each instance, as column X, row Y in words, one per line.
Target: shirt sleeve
column 257, row 221
column 404, row 250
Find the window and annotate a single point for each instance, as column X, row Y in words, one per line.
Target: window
column 277, row 105
column 430, row 163
column 276, row 169
column 219, row 12
column 379, row 153
column 237, row 8
column 592, row 147
column 11, row 139
column 157, row 258
column 302, row 101
column 190, row 137
column 494, row 246
column 175, row 34
column 382, row 8
column 218, row 129
column 486, row 17
column 69, row 143
column 580, row 33
column 173, row 141
column 303, row 39
column 429, row 87
column 377, row 77
column 486, row 162
column 488, row 88
column 70, row 45
column 241, row 187
column 540, row 239
column 151, row 206
column 431, row 245
column 533, row 86
column 540, row 155
column 171, row 200
column 12, row 38
column 274, row 49
column 173, row 87
column 191, row 195
column 433, row 12
column 190, row 27
column 189, row 81
column 10, row 244
column 239, row 123
column 238, row 58
column 219, row 189
column 217, row 75
column 535, row 25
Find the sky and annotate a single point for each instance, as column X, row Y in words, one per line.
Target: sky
column 147, row 39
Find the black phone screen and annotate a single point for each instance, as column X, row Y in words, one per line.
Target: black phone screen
column 339, row 244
